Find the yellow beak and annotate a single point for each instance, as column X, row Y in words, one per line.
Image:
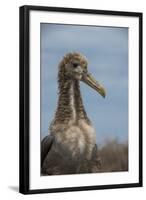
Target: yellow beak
column 89, row 80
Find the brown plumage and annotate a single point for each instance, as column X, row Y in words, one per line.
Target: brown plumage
column 71, row 146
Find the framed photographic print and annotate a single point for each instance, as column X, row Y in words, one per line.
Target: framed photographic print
column 80, row 99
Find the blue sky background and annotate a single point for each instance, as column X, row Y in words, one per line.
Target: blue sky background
column 106, row 49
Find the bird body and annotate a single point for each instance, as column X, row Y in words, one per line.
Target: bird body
column 72, row 142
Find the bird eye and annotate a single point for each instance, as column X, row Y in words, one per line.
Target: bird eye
column 75, row 65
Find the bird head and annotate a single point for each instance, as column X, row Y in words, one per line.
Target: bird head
column 75, row 66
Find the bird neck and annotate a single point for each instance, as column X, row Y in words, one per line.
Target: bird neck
column 70, row 105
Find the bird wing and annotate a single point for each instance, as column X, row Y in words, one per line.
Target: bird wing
column 95, row 157
column 55, row 158
column 46, row 146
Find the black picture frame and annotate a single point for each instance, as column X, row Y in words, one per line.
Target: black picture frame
column 25, row 105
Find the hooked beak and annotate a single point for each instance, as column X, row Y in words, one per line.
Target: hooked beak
column 89, row 80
